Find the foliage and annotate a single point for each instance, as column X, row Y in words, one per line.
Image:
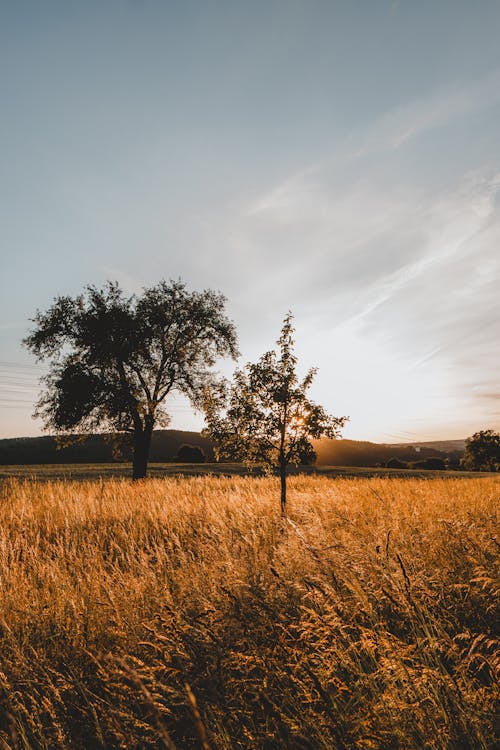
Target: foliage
column 482, row 451
column 114, row 360
column 191, row 454
column 265, row 416
column 434, row 464
column 371, row 624
column 395, row 463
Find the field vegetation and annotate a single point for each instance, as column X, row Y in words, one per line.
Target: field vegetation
column 184, row 613
column 119, row 470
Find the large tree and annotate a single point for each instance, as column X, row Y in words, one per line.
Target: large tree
column 114, row 359
column 265, row 416
column 482, row 451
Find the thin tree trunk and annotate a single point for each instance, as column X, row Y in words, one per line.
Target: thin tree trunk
column 142, row 444
column 283, row 488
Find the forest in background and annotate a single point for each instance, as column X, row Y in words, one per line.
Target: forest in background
column 166, row 444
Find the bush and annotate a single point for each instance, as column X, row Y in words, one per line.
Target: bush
column 396, row 463
column 191, row 454
column 433, row 464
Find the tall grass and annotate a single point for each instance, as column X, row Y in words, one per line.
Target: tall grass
column 181, row 613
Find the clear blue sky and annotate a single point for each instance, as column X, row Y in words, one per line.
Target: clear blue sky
column 340, row 159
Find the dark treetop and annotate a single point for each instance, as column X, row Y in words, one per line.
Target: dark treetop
column 114, row 359
column 265, row 415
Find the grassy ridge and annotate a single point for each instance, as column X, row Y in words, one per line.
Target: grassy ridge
column 181, row 613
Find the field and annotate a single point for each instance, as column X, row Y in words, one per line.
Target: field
column 112, row 470
column 182, row 613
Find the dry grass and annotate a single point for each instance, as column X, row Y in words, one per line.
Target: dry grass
column 179, row 613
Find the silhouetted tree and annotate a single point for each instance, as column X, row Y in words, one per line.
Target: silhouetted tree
column 482, row 451
column 190, row 454
column 114, row 359
column 265, row 416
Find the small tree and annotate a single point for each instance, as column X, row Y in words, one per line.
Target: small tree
column 114, row 360
column 482, row 451
column 265, row 416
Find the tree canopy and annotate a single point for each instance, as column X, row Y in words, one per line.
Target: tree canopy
column 265, row 416
column 482, row 451
column 114, row 359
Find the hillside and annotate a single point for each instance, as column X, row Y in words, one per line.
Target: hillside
column 446, row 446
column 363, row 453
column 95, row 449
column 166, row 443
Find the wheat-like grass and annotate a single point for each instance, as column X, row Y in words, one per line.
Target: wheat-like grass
column 182, row 613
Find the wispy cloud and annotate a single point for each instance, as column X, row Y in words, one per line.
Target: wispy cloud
column 388, row 266
column 404, row 123
column 452, row 224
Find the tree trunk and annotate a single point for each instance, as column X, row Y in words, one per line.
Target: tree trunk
column 142, row 443
column 283, row 488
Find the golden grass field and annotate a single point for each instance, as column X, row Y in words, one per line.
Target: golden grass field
column 182, row 613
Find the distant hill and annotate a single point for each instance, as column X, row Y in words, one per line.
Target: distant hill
column 363, row 453
column 166, row 443
column 446, row 446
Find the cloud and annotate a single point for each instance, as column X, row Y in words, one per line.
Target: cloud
column 387, row 253
column 453, row 223
column 352, row 245
column 406, row 122
column 392, row 272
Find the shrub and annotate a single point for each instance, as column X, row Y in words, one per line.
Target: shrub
column 434, row 464
column 191, row 454
column 396, row 463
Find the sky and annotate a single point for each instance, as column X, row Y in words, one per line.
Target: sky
column 337, row 159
